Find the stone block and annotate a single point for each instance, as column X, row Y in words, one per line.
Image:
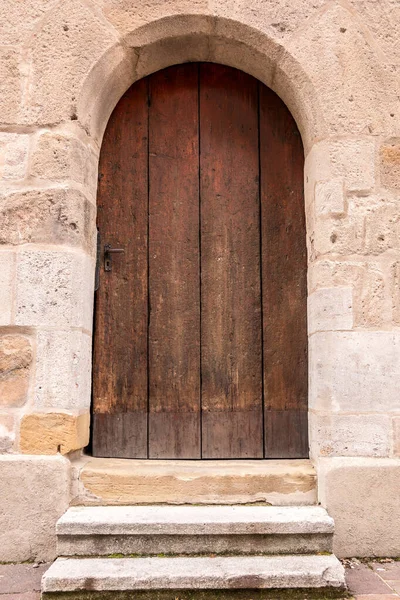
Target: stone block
column 395, row 291
column 330, row 309
column 129, row 15
column 53, row 432
column 278, row 18
column 54, row 288
column 396, row 436
column 354, row 371
column 381, row 18
column 368, row 282
column 63, row 370
column 329, row 197
column 78, row 36
column 34, row 493
column 13, row 156
column 363, row 97
column 11, row 83
column 349, row 435
column 7, row 432
column 49, row 216
column 15, row 369
column 362, row 496
column 17, row 19
column 61, row 157
column 334, row 235
column 7, row 286
column 389, row 163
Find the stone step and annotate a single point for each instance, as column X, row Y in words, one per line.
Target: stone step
column 110, row 481
column 74, row 575
column 147, row 530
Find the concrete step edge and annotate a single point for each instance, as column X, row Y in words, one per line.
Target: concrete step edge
column 244, row 572
column 194, row 520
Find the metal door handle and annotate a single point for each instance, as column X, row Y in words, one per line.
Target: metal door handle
column 108, row 250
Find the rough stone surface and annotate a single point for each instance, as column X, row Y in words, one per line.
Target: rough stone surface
column 54, row 288
column 68, row 574
column 114, row 481
column 13, row 156
column 63, row 370
column 371, row 526
column 194, row 520
column 349, row 435
column 61, row 157
column 50, row 216
column 7, row 435
column 329, row 197
column 15, row 366
column 50, row 433
column 34, row 493
column 396, row 436
column 7, row 286
column 330, row 309
column 389, row 157
column 11, row 84
column 368, row 281
column 354, row 371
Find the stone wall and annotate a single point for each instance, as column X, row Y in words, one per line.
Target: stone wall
column 64, row 65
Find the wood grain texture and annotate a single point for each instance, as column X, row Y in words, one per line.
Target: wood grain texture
column 284, row 278
column 174, row 264
column 120, row 335
column 230, row 263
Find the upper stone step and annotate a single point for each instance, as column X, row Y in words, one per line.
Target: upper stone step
column 190, row 530
column 193, row 573
column 194, row 520
column 114, row 481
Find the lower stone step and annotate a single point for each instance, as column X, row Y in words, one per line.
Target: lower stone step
column 76, row 577
column 186, row 530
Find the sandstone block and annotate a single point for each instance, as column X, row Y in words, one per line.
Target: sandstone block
column 395, row 291
column 13, row 156
column 361, row 494
column 329, row 197
column 7, row 433
column 53, row 432
column 50, row 216
column 396, row 436
column 34, row 493
column 78, row 37
column 129, row 15
column 363, row 98
column 15, row 367
column 330, row 309
column 368, row 282
column 349, row 435
column 54, row 288
column 7, row 284
column 389, row 163
column 10, row 85
column 381, row 18
column 279, row 18
column 18, row 19
column 63, row 370
column 354, row 371
column 59, row 157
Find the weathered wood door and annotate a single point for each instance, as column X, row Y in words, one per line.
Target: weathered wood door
column 200, row 343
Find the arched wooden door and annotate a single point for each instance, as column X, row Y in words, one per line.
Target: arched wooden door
column 200, row 344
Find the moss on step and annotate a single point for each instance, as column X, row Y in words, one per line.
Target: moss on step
column 272, row 594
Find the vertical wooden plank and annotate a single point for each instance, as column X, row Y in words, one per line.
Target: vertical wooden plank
column 284, row 280
column 174, row 333
column 230, row 265
column 120, row 336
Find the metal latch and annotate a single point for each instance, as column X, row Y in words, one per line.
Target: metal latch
column 108, row 251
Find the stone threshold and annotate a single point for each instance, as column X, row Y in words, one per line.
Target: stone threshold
column 109, row 481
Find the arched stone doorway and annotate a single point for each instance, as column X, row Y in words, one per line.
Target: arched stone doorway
column 200, row 328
